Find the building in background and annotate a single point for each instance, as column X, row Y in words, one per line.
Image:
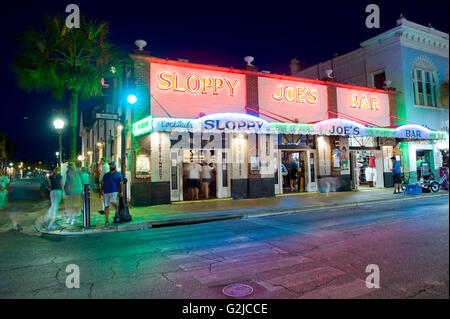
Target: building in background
column 260, row 123
column 413, row 60
column 100, row 129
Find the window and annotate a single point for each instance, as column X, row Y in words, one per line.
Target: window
column 378, row 80
column 424, row 84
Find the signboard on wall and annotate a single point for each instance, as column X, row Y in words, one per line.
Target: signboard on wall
column 304, row 101
column 372, row 107
column 187, row 92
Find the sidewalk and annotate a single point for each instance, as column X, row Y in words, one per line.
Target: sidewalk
column 221, row 209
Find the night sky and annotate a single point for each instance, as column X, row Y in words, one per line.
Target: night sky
column 210, row 32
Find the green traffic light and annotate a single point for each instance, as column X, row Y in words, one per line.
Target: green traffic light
column 132, row 99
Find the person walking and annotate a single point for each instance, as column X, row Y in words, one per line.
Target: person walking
column 111, row 187
column 206, row 178
column 55, row 181
column 73, row 190
column 103, row 168
column 396, row 172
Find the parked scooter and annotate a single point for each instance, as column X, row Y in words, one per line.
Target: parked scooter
column 430, row 185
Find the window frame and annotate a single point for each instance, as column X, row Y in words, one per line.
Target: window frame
column 420, row 82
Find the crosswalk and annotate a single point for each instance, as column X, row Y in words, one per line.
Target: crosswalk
column 214, row 256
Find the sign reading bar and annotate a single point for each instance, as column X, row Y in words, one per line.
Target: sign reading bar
column 372, row 107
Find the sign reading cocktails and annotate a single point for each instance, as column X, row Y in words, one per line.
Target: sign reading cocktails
column 187, row 92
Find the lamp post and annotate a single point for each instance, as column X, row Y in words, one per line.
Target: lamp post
column 59, row 126
column 130, row 99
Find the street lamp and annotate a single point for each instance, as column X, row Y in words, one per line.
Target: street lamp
column 59, row 126
column 130, row 100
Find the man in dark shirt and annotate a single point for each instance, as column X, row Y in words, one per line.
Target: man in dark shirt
column 111, row 188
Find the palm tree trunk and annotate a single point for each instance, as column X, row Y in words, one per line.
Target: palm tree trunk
column 73, row 124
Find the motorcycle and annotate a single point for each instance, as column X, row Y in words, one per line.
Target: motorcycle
column 430, row 185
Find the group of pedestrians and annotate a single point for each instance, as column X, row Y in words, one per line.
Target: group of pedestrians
column 198, row 176
column 71, row 189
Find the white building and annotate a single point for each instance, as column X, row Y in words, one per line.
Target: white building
column 415, row 59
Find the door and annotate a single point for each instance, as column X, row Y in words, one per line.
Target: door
column 311, row 171
column 176, row 175
column 223, row 174
column 379, row 167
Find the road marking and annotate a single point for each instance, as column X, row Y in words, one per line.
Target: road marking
column 240, row 271
column 305, row 277
column 349, row 290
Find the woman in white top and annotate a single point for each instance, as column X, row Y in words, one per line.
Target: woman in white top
column 206, row 178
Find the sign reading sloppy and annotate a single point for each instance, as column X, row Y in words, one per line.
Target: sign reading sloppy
column 188, row 92
column 194, row 83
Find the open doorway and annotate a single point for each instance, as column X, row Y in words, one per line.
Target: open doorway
column 423, row 163
column 199, row 175
column 364, row 169
column 293, row 164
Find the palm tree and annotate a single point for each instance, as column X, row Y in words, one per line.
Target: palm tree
column 7, row 149
column 65, row 61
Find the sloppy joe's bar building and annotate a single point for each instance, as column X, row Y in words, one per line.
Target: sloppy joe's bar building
column 251, row 126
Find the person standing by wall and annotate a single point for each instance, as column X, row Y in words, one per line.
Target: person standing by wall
column 396, row 172
column 55, row 181
column 111, row 188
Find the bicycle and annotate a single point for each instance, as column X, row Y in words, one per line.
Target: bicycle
column 405, row 181
column 435, row 186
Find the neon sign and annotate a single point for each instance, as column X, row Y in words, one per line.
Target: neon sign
column 301, row 94
column 361, row 101
column 143, row 126
column 194, row 83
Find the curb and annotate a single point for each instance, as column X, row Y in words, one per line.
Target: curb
column 213, row 218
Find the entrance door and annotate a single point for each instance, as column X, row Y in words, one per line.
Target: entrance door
column 311, row 181
column 223, row 174
column 295, row 171
column 379, row 167
column 176, row 178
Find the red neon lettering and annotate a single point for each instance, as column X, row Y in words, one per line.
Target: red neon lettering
column 232, row 86
column 364, row 103
column 177, row 87
column 164, row 83
column 196, row 81
column 206, row 83
column 280, row 95
column 218, row 83
column 312, row 96
column 354, row 102
column 289, row 93
column 374, row 103
column 301, row 95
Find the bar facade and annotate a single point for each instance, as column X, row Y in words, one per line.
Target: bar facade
column 255, row 129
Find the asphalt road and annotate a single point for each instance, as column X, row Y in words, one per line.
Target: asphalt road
column 304, row 255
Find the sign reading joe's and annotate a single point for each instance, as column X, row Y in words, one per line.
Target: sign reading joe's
column 339, row 127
